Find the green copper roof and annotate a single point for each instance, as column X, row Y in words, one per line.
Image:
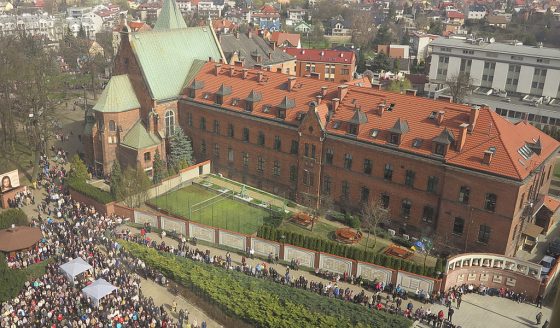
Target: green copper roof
column 139, row 138
column 166, row 57
column 170, row 17
column 118, row 96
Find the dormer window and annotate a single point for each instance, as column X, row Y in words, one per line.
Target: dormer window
column 374, row 133
column 395, row 139
column 353, row 129
column 442, row 142
column 282, row 113
column 397, row 131
column 193, row 87
column 249, row 106
column 251, row 99
column 336, row 124
column 440, row 149
column 219, row 99
column 222, row 91
column 357, row 119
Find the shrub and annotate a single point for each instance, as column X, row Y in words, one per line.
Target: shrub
column 291, row 204
column 90, row 191
column 12, row 216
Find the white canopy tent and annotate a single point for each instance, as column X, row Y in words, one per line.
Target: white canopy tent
column 74, row 267
column 97, row 290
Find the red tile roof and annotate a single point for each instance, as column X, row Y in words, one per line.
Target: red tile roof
column 219, row 24
column 455, row 14
column 491, row 131
column 280, row 37
column 323, row 56
column 551, row 203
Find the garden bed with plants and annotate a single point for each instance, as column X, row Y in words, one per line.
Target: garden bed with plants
column 263, row 303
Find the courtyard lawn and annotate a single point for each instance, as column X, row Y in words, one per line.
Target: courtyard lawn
column 557, row 168
column 222, row 211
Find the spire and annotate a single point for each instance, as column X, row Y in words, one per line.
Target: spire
column 170, row 17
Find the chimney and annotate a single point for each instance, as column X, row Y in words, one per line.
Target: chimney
column 475, row 110
column 244, row 73
column 342, row 90
column 410, row 92
column 381, row 108
column 335, row 103
column 231, row 71
column 259, row 76
column 324, row 91
column 462, row 136
column 217, row 69
column 291, row 82
column 487, row 159
column 318, row 99
column 440, row 116
column 444, row 98
column 376, row 86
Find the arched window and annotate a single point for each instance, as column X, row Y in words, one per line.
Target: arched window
column 169, row 122
column 112, row 126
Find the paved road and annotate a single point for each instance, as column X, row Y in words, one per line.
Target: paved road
column 476, row 311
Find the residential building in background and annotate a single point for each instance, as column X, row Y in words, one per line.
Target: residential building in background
column 35, row 25
column 284, row 40
column 419, row 45
column 512, row 68
column 324, row 64
column 252, row 51
column 394, row 50
column 476, row 11
column 266, row 17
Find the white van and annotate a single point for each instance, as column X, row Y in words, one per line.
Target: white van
column 547, row 262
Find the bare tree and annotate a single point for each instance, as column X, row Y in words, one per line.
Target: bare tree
column 459, row 86
column 373, row 214
column 324, row 205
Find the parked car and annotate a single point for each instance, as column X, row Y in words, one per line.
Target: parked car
column 547, row 262
column 554, row 248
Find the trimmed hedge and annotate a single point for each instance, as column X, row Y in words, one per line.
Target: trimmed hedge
column 12, row 216
column 261, row 302
column 90, row 191
column 346, row 219
column 351, row 252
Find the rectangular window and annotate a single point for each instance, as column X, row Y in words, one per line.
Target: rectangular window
column 216, row 129
column 364, row 197
column 329, row 156
column 203, row 147
column 458, row 226
column 313, row 151
column 308, row 178
column 230, row 154
column 260, row 139
column 367, row 166
column 295, row 147
column 388, row 173
column 147, row 157
column 260, row 164
column 409, row 178
column 293, row 173
column 406, row 205
column 484, row 234
column 327, row 185
column 348, row 161
column 277, row 143
column 246, row 134
column 464, row 194
column 490, row 202
column 428, row 214
column 189, row 119
column 216, row 150
column 276, row 168
column 432, row 184
column 306, row 152
column 345, row 195
column 230, row 131
column 246, row 160
column 385, row 199
column 203, row 123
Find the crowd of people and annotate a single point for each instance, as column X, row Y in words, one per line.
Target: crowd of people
column 56, row 300
column 22, row 198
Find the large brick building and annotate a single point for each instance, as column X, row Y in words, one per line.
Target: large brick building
column 324, row 64
column 464, row 175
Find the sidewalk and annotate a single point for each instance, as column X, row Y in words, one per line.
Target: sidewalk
column 476, row 311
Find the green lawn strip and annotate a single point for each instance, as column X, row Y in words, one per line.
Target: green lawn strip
column 262, row 302
column 227, row 214
column 557, row 169
column 12, row 281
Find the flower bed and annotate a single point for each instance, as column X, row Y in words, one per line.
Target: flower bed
column 263, row 303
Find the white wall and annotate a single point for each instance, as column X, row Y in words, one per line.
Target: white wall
column 477, row 66
column 525, row 79
column 453, row 67
column 500, row 76
column 434, row 62
column 551, row 83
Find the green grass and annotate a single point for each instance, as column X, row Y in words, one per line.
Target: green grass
column 226, row 214
column 20, row 158
column 13, row 281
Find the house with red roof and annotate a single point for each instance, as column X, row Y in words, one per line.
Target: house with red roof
column 455, row 17
column 324, row 64
column 284, row 40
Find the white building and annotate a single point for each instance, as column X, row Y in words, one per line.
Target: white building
column 476, row 12
column 514, row 69
column 419, row 45
column 210, row 9
column 295, row 15
column 43, row 25
column 91, row 23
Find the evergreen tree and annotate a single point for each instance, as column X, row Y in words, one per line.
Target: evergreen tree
column 158, row 168
column 181, row 153
column 78, row 169
column 116, row 180
column 82, row 32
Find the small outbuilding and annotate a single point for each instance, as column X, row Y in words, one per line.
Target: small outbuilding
column 19, row 238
